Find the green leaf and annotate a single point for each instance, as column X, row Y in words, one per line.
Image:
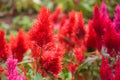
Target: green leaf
column 38, row 77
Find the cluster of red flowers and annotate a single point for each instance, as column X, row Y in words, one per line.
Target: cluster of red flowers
column 47, row 48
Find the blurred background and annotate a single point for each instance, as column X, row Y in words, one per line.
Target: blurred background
column 15, row 14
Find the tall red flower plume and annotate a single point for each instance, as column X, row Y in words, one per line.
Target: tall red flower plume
column 51, row 61
column 4, row 49
column 112, row 41
column 91, row 37
column 55, row 15
column 41, row 33
column 99, row 23
column 19, row 45
column 79, row 30
column 105, row 71
column 65, row 33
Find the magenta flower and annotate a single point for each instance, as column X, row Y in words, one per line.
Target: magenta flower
column 117, row 19
column 12, row 73
column 104, row 11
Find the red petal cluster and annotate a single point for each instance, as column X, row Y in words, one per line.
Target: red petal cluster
column 19, row 45
column 54, row 17
column 79, row 54
column 112, row 41
column 117, row 70
column 91, row 37
column 41, row 33
column 65, row 33
column 105, row 71
column 99, row 23
column 51, row 61
column 79, row 29
column 72, row 68
column 72, row 32
column 4, row 49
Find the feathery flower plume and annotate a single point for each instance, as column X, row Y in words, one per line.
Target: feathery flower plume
column 51, row 61
column 19, row 45
column 99, row 24
column 65, row 33
column 79, row 30
column 111, row 41
column 91, row 37
column 56, row 15
column 4, row 49
column 41, row 33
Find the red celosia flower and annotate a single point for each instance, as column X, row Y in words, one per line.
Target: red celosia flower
column 63, row 20
column 41, row 33
column 117, row 19
column 79, row 30
column 99, row 23
column 91, row 37
column 112, row 41
column 105, row 71
column 55, row 15
column 4, row 49
column 51, row 61
column 19, row 45
column 36, row 51
column 117, row 70
column 79, row 54
column 65, row 33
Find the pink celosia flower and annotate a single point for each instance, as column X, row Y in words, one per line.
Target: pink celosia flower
column 12, row 73
column 103, row 10
column 117, row 19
